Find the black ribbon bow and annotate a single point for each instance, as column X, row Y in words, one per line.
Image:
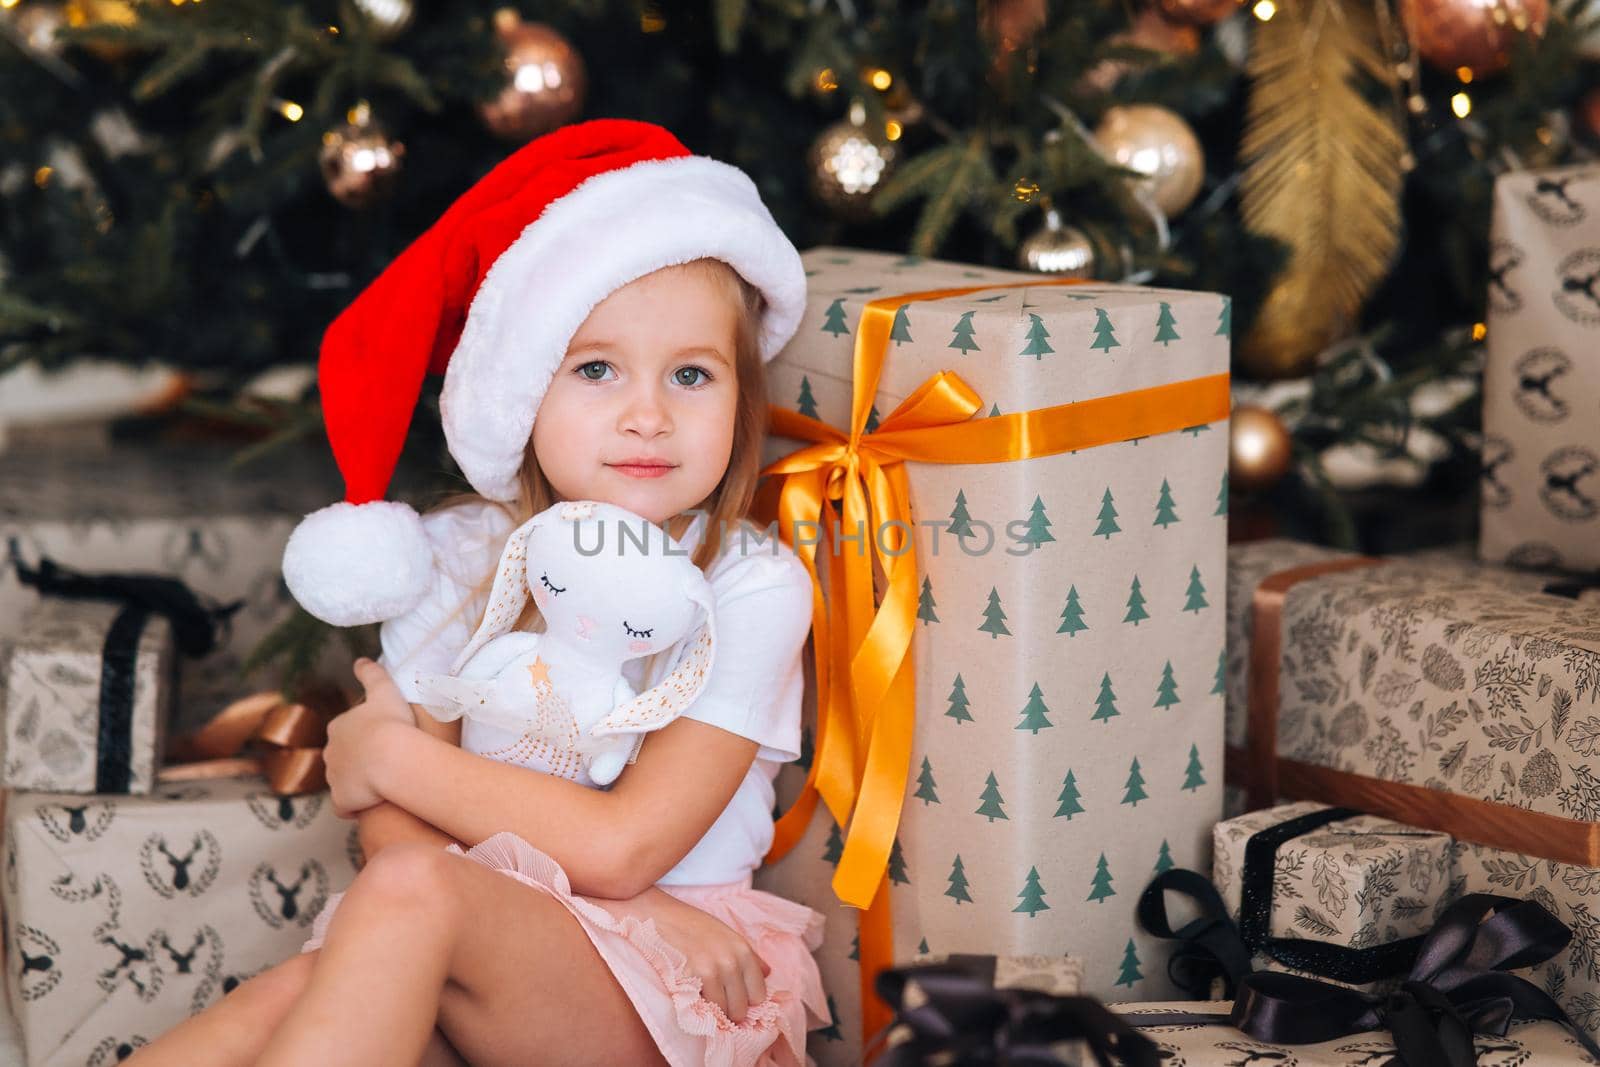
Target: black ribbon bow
column 1457, row 987
column 194, row 631
column 194, row 624
column 959, row 1017
column 1213, row 946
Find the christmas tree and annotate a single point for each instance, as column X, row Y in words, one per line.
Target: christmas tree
column 994, row 619
column 1135, row 789
column 963, row 339
column 1105, row 338
column 1032, row 895
column 1192, row 778
column 1069, row 798
column 806, row 404
column 958, row 701
column 1136, row 612
column 960, row 520
column 1100, row 888
column 834, row 321
column 834, row 848
column 1222, row 496
column 1033, row 712
column 1072, row 615
column 1167, row 690
column 925, row 604
column 1038, row 525
column 1130, row 966
column 1219, row 680
column 958, row 883
column 1164, row 325
column 900, row 333
column 1164, row 858
column 1166, row 513
column 925, row 788
column 1108, row 517
column 1196, row 592
column 992, row 800
column 1038, row 344
column 897, row 865
column 1105, row 705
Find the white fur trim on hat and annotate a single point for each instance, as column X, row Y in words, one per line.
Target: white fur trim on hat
column 350, row 564
column 610, row 230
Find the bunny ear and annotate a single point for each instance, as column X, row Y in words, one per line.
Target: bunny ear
column 671, row 697
column 509, row 595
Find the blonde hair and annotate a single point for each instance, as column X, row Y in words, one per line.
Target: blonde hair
column 729, row 502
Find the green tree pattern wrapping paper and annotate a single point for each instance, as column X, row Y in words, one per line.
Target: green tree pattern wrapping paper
column 1063, row 750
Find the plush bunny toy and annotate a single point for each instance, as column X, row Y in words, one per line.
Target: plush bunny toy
column 611, row 587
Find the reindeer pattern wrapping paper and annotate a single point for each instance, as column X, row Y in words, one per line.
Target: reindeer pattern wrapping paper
column 125, row 915
column 1541, row 383
column 1068, row 640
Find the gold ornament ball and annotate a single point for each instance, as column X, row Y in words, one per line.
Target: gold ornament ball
column 1057, row 249
column 848, row 164
column 82, row 13
column 359, row 162
column 545, row 80
column 1198, row 12
column 1159, row 144
column 1259, row 449
column 388, row 19
column 1476, row 34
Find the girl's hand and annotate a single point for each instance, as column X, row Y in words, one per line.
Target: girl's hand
column 731, row 975
column 351, row 752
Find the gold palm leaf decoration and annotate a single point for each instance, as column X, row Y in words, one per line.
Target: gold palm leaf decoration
column 1323, row 175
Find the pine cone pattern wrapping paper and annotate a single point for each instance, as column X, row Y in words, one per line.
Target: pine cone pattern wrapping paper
column 1358, row 882
column 125, row 915
column 1069, row 629
column 1541, row 381
column 54, row 695
column 184, row 512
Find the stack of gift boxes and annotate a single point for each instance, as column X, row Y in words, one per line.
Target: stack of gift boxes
column 136, row 889
column 1084, row 647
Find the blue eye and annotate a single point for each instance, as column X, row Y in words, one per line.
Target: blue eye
column 545, row 578
column 705, row 376
column 582, row 370
column 636, row 633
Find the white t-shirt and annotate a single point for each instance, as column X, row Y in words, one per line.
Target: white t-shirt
column 763, row 605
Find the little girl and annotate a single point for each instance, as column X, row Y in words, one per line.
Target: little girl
column 601, row 305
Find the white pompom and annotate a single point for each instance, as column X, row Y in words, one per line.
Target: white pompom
column 350, row 564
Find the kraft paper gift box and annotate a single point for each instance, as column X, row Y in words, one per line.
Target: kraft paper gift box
column 182, row 511
column 86, row 694
column 1358, row 881
column 1065, row 630
column 1541, row 449
column 126, row 915
column 1526, row 1044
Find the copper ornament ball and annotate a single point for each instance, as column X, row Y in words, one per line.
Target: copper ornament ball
column 1198, row 12
column 1259, row 449
column 545, row 80
column 359, row 163
column 1476, row 34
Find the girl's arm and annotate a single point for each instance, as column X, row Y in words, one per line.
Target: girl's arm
column 387, row 823
column 613, row 844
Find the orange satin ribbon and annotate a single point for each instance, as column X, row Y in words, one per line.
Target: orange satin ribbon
column 290, row 738
column 862, row 652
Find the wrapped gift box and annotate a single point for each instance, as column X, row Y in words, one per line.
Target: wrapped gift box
column 1541, row 449
column 86, row 694
column 182, row 511
column 1359, row 882
column 1068, row 639
column 1526, row 1044
column 125, row 915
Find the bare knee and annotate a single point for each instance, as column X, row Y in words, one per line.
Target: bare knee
column 405, row 877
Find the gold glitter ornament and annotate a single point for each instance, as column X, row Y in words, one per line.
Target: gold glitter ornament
column 1260, row 449
column 1058, row 249
column 1159, row 144
column 359, row 161
column 848, row 164
column 1475, row 34
column 546, row 80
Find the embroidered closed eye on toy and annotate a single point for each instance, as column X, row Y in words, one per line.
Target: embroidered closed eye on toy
column 611, row 587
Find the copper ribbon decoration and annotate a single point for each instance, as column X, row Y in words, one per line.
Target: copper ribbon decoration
column 865, row 675
column 290, row 738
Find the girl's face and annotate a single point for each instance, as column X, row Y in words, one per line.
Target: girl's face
column 647, row 379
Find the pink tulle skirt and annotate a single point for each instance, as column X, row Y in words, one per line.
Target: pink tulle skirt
column 689, row 1029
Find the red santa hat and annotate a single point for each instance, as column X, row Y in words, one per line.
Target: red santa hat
column 490, row 296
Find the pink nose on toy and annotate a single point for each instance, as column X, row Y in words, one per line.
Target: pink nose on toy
column 585, row 625
column 638, row 645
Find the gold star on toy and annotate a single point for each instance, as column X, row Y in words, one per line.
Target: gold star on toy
column 539, row 670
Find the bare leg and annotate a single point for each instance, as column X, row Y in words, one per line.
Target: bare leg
column 509, row 968
column 235, row 1028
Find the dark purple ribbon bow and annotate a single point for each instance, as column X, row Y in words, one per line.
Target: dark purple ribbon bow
column 961, row 1018
column 1457, row 987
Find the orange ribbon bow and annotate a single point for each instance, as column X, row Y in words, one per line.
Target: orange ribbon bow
column 290, row 738
column 862, row 652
